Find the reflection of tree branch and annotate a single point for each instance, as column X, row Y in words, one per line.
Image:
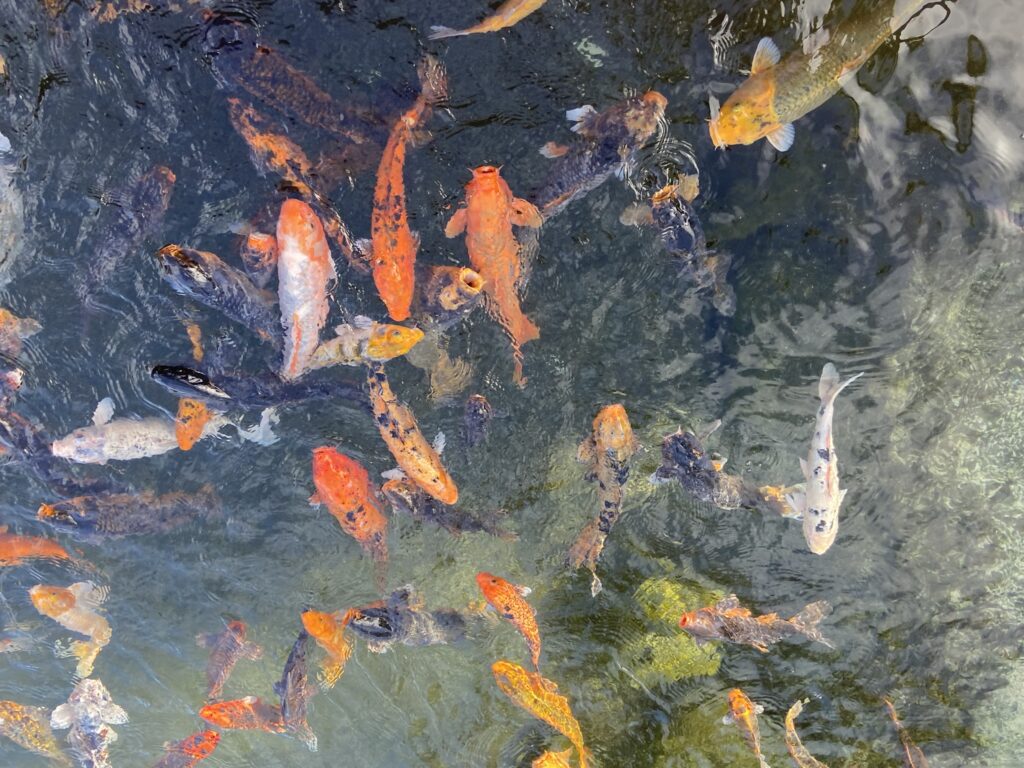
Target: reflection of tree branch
column 944, row 4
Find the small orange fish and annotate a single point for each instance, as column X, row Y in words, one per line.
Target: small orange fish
column 328, row 629
column 394, row 243
column 248, row 713
column 399, row 430
column 801, row 756
column 487, row 219
column 74, row 608
column 15, row 549
column 744, row 712
column 190, row 750
column 913, row 757
column 553, row 759
column 344, row 486
column 507, row 599
column 539, row 696
column 510, row 12
column 193, row 416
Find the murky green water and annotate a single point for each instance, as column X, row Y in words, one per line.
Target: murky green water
column 887, row 240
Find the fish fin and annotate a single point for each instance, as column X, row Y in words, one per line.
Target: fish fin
column 759, row 709
column 89, row 595
column 829, row 386
column 796, row 501
column 782, row 137
column 766, row 56
column 315, row 500
column 525, row 214
column 393, row 474
column 842, row 495
column 262, row 433
column 806, row 622
column 714, row 106
column 439, row 443
column 62, row 717
column 586, row 452
column 553, row 149
column 439, row 33
column 728, row 719
column 580, row 117
column 636, row 215
column 456, row 224
column 104, row 412
column 595, row 584
column 524, row 591
column 805, row 468
column 727, row 603
column 362, row 322
column 113, row 714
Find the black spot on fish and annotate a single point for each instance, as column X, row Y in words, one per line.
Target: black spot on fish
column 821, row 411
column 821, row 527
column 823, row 454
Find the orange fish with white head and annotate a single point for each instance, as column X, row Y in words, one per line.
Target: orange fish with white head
column 487, row 219
column 507, row 599
column 744, row 712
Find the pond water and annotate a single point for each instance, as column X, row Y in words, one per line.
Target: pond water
column 887, row 240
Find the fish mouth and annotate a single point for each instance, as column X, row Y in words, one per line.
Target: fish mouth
column 51, row 513
column 471, row 281
column 181, row 270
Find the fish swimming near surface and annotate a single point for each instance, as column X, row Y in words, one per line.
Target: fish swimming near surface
column 606, row 452
column 14, row 330
column 130, row 514
column 393, row 257
column 249, row 713
column 508, row 600
column 295, row 692
column 744, row 712
column 819, row 500
column 89, row 713
column 12, row 212
column 192, row 418
column 365, row 341
column 508, row 13
column 202, row 276
column 408, row 498
column 539, row 696
column 476, row 417
column 304, row 268
column 270, row 149
column 29, row 727
column 797, row 750
column 226, row 648
column 487, row 218
column 607, row 145
column 75, row 608
column 913, row 757
column 15, row 549
column 403, row 618
column 330, row 632
column 728, row 620
column 780, row 91
column 259, row 256
column 418, row 459
column 191, row 750
column 343, row 486
column 553, row 759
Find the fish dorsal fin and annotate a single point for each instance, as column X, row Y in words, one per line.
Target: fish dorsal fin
column 362, row 322
column 728, row 603
column 580, row 117
column 766, row 56
column 89, row 595
column 758, row 709
column 104, row 412
column 439, row 443
column 586, row 453
column 524, row 591
column 782, row 137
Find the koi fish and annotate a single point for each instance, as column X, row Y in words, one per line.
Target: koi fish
column 259, row 255
column 295, row 692
column 727, row 620
column 249, row 713
column 777, row 93
column 507, row 599
column 15, row 549
column 328, row 629
column 744, row 712
column 188, row 752
column 226, row 648
column 539, row 696
column 14, row 330
column 343, row 485
column 304, row 267
column 509, row 13
column 913, row 757
column 476, row 417
column 202, row 276
column 193, row 416
column 408, row 498
column 75, row 608
column 608, row 144
column 553, row 759
column 415, row 456
column 607, row 453
column 394, row 243
column 270, row 150
column 487, row 219
column 403, row 618
column 797, row 750
column 819, row 500
column 130, row 514
column 29, row 728
column 89, row 713
column 365, row 341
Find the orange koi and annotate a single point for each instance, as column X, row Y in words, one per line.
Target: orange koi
column 553, row 759
column 363, row 341
column 190, row 750
column 329, row 631
column 510, row 12
column 913, row 757
column 801, row 756
column 193, row 416
column 744, row 712
column 487, row 219
column 248, row 713
column 304, row 268
column 15, row 549
column 539, row 696
column 74, row 608
column 343, row 485
column 398, row 427
column 394, row 243
column 507, row 599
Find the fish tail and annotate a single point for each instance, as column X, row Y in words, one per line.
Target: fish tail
column 330, row 674
column 440, row 33
column 829, row 385
column 806, row 622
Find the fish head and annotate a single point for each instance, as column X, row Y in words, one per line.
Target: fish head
column 226, row 35
column 164, row 179
column 182, row 380
column 388, row 341
column 300, row 229
column 699, row 624
column 740, row 705
column 492, row 587
column 644, row 115
column 373, row 622
column 52, row 514
column 85, row 445
column 820, row 531
column 747, row 114
column 487, row 179
column 340, row 475
column 238, row 630
column 226, row 714
column 319, row 624
column 184, row 270
column 683, row 452
column 51, row 601
column 478, row 409
column 401, row 495
column 449, row 290
column 613, row 433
